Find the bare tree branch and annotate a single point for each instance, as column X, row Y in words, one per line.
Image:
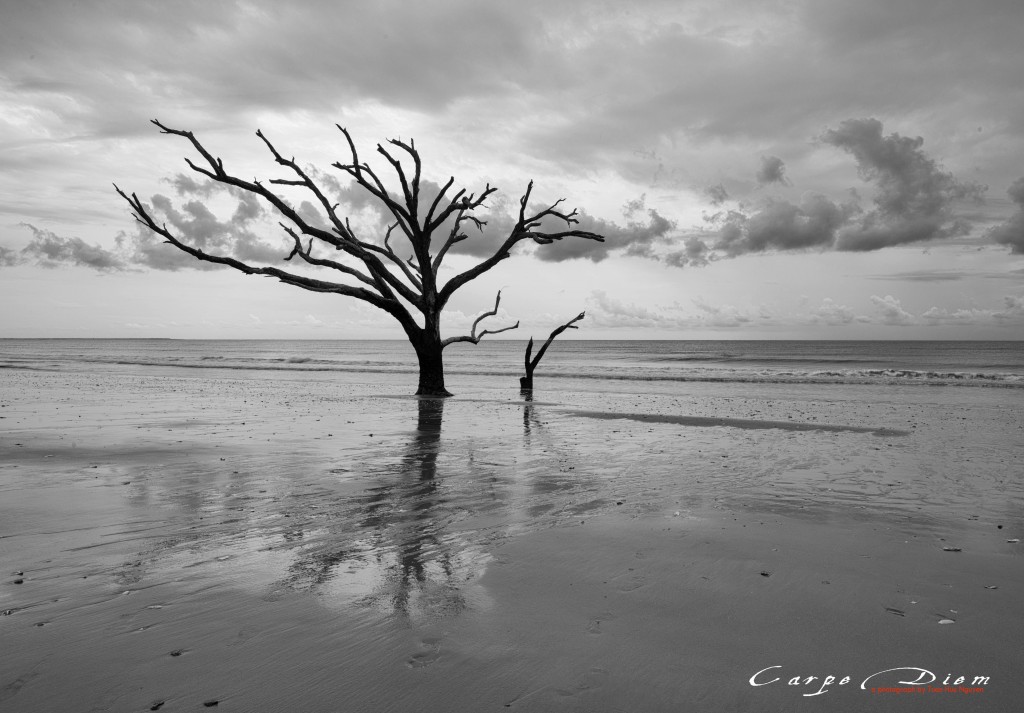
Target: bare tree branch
column 524, row 229
column 390, row 306
column 475, row 338
column 456, row 236
column 571, row 324
column 390, row 255
column 437, row 200
column 526, row 382
column 307, row 257
column 386, row 282
column 460, row 203
column 368, row 179
column 304, row 180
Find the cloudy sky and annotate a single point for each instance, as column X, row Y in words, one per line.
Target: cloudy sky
column 822, row 169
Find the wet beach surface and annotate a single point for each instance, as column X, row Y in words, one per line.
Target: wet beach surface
column 295, row 543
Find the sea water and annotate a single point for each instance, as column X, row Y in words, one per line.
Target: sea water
column 934, row 363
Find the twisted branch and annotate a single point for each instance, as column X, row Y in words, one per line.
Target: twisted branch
column 475, row 338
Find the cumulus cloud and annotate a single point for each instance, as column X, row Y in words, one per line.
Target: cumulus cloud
column 1011, row 313
column 1013, row 309
column 914, row 202
column 644, row 229
column 914, row 198
column 722, row 315
column 832, row 313
column 772, row 170
column 608, row 311
column 891, row 310
column 695, row 252
column 48, row 249
column 604, row 310
column 8, row 257
column 781, row 225
column 196, row 224
column 1012, row 231
column 940, row 315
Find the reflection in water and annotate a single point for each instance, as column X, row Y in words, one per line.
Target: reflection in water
column 403, row 522
column 393, row 541
column 422, row 452
column 529, row 419
column 402, row 515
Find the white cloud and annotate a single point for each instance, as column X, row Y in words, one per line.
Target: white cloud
column 892, row 311
column 1011, row 313
column 833, row 313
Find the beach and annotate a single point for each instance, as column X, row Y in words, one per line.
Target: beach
column 324, row 541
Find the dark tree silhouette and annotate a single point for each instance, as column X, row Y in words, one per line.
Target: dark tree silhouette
column 526, row 382
column 375, row 273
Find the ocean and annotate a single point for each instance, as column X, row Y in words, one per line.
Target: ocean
column 932, row 363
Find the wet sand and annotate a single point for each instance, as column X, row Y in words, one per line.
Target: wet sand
column 313, row 544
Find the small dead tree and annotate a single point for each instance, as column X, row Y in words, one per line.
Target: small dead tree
column 373, row 271
column 526, row 382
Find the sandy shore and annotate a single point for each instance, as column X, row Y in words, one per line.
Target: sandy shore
column 167, row 542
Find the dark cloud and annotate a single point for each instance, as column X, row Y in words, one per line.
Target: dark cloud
column 352, row 201
column 772, row 170
column 118, row 61
column 354, row 198
column 914, row 198
column 500, row 213
column 1012, row 231
column 195, row 223
column 243, row 235
column 695, row 253
column 802, row 65
column 644, row 228
column 314, row 215
column 146, row 249
column 782, row 225
column 821, row 56
column 51, row 250
column 717, row 194
column 8, row 257
column 914, row 202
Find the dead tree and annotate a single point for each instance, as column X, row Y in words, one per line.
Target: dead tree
column 373, row 271
column 526, row 382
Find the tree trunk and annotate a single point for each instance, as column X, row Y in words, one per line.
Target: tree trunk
column 431, row 357
column 526, row 382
